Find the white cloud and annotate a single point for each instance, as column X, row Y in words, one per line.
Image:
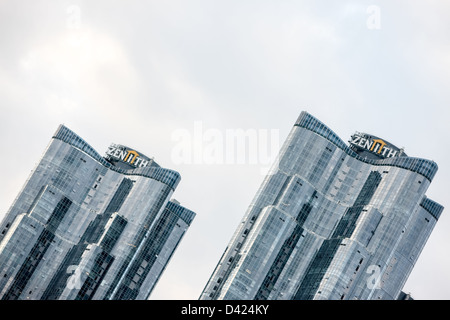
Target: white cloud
column 82, row 70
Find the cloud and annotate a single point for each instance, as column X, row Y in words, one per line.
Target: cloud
column 83, row 70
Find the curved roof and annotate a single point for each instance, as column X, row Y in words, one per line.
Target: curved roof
column 167, row 176
column 426, row 168
column 434, row 208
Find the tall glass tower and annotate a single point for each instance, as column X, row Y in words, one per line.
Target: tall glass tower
column 90, row 227
column 330, row 221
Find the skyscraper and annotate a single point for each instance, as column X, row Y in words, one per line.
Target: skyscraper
column 90, row 227
column 330, row 221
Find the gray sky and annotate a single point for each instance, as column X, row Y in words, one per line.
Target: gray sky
column 137, row 72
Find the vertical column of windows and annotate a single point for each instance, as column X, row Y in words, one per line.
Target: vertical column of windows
column 38, row 251
column 344, row 229
column 285, row 252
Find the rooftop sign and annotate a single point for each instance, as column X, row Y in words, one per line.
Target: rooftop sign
column 119, row 153
column 363, row 142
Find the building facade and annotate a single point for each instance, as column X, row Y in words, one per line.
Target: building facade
column 330, row 221
column 90, row 227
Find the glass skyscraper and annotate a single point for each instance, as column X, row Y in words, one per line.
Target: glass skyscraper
column 86, row 226
column 331, row 221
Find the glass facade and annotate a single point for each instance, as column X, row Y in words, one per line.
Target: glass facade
column 85, row 228
column 328, row 223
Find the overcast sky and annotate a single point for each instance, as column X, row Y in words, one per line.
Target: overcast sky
column 145, row 73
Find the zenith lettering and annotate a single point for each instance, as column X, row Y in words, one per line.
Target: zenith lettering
column 375, row 145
